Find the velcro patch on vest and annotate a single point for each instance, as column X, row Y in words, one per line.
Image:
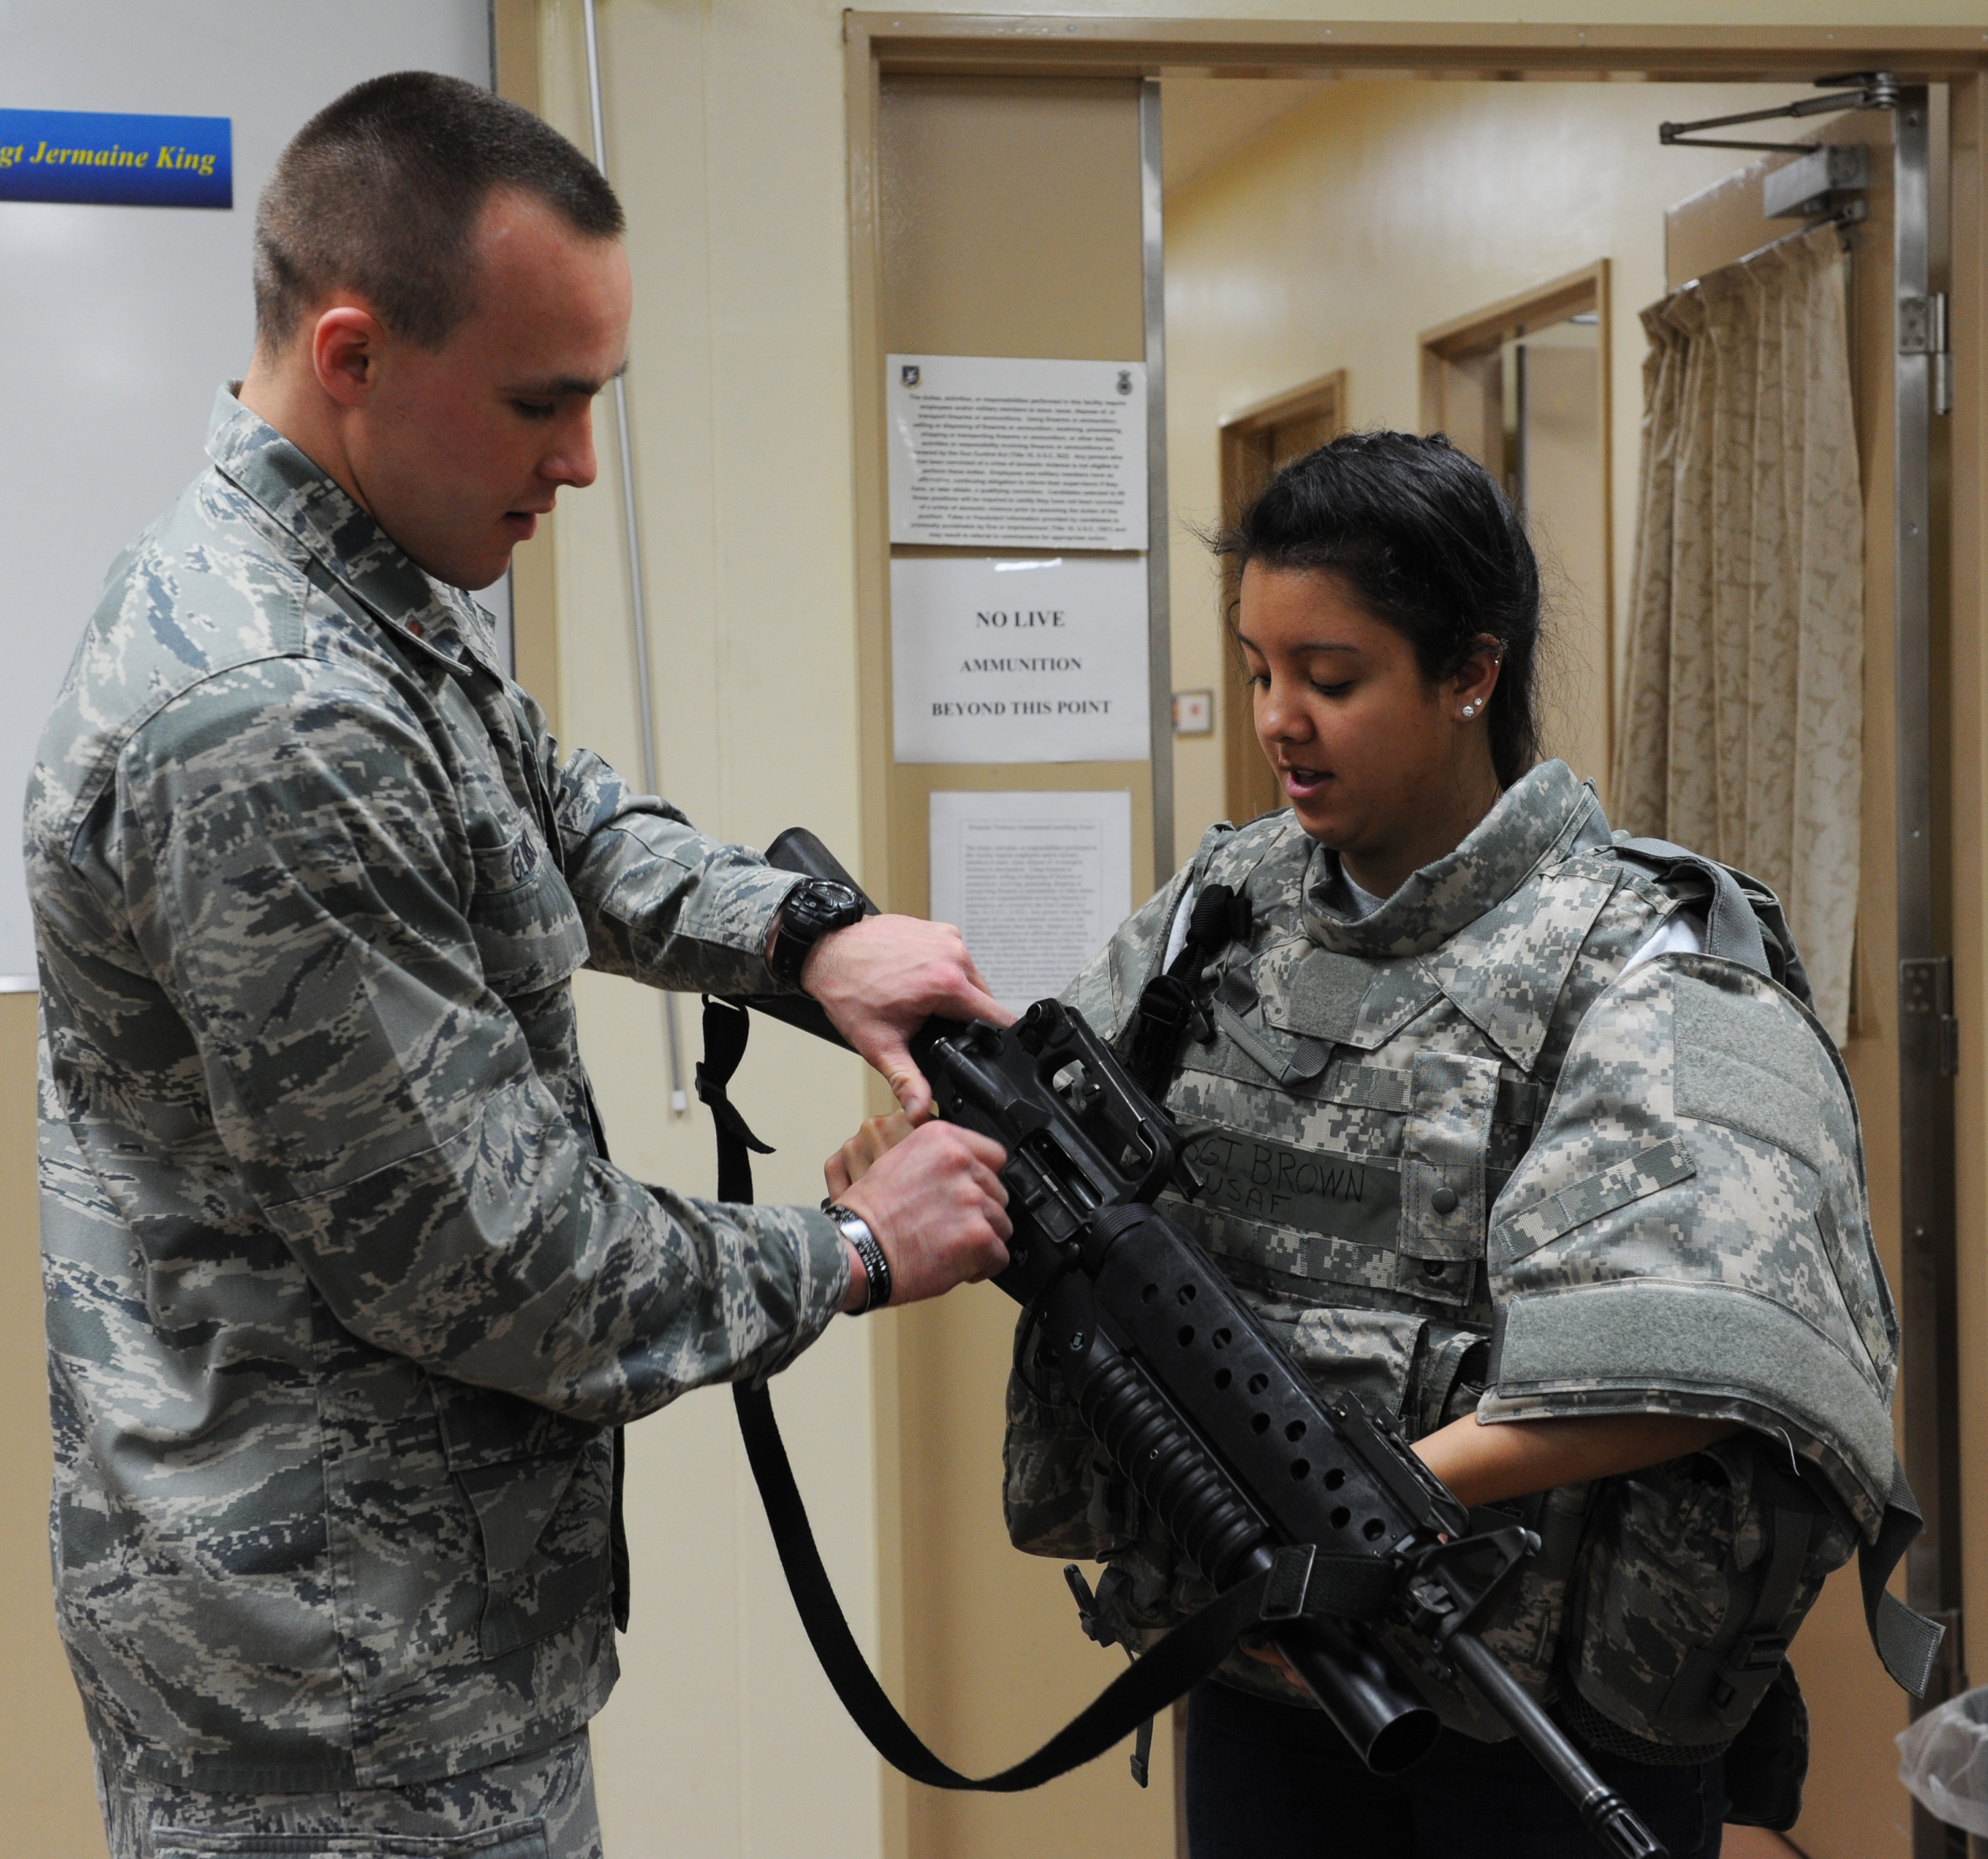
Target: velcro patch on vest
column 1384, row 1087
column 1348, row 1198
column 1661, row 1166
column 1745, row 1058
column 1344, row 1000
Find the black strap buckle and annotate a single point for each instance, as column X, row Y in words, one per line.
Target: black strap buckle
column 1290, row 1580
column 1761, row 1651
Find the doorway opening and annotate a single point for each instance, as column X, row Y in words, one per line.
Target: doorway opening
column 1328, row 218
column 1524, row 386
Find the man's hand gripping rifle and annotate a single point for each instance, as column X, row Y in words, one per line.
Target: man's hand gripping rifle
column 1251, row 1470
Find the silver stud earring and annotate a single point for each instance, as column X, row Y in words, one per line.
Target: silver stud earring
column 1470, row 710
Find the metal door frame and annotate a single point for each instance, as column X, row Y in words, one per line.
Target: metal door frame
column 1929, row 1031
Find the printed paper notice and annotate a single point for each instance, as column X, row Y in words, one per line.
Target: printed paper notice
column 1038, row 660
column 987, row 452
column 1036, row 883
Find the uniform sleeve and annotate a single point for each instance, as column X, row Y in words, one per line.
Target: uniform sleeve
column 662, row 904
column 294, row 866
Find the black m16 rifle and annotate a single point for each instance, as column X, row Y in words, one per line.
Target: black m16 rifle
column 1315, row 1508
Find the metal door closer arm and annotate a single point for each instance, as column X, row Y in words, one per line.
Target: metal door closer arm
column 1254, row 1473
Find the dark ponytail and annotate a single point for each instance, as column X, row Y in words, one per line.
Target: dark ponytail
column 1426, row 543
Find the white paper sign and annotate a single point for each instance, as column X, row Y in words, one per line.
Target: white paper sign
column 988, row 452
column 1040, row 661
column 1036, row 883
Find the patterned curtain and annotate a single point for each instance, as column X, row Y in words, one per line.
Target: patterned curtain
column 1743, row 696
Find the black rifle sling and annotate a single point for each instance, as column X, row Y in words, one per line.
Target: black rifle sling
column 621, row 1570
column 1168, row 1006
column 726, row 1029
column 1338, row 1586
column 1174, row 1665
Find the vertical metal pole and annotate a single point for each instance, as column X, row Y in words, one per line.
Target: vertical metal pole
column 509, row 641
column 1159, row 623
column 638, row 621
column 1925, row 1098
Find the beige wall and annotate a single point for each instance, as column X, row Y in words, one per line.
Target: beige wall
column 724, row 141
column 1375, row 212
column 45, row 1776
column 1008, row 217
column 729, row 145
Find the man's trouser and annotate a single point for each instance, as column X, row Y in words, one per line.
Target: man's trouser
column 538, row 1806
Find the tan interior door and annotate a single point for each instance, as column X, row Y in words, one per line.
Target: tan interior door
column 1522, row 387
column 1256, row 446
column 1010, row 223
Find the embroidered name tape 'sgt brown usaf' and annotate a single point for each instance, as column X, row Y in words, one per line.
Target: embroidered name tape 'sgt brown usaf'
column 1271, row 1181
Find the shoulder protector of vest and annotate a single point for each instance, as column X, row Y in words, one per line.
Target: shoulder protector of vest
column 1688, row 1234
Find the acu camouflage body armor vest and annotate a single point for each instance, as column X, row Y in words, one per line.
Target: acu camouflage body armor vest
column 1447, row 1160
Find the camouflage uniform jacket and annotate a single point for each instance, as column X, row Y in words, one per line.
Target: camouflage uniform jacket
column 342, row 1295
column 1368, row 1087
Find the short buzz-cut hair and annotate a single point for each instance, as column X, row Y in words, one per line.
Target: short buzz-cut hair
column 380, row 193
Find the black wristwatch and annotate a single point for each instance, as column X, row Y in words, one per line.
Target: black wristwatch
column 812, row 909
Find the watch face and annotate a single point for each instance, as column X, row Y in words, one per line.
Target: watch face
column 826, row 902
column 811, row 911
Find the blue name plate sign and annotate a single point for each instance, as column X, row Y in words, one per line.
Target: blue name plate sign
column 97, row 158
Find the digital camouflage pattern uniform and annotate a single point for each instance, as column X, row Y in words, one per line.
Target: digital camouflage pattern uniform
column 537, row 1806
column 343, row 1299
column 1438, row 1141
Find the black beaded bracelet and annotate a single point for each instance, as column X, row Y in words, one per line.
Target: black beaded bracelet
column 876, row 1267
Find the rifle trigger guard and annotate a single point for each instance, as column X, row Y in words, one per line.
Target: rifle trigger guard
column 1290, row 1578
column 1451, row 1587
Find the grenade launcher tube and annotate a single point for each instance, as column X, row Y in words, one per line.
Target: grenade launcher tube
column 1218, row 1526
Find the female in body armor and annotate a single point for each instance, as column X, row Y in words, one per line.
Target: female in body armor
column 1429, row 924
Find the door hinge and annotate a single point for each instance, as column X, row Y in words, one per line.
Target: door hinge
column 1922, row 331
column 1926, row 987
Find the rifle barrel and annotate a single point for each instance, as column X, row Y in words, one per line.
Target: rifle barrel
column 1609, row 1817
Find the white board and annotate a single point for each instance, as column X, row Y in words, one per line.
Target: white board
column 993, row 452
column 1036, row 883
column 1029, row 659
column 120, row 322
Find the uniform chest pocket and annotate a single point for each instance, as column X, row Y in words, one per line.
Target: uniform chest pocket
column 527, row 926
column 1444, row 1146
